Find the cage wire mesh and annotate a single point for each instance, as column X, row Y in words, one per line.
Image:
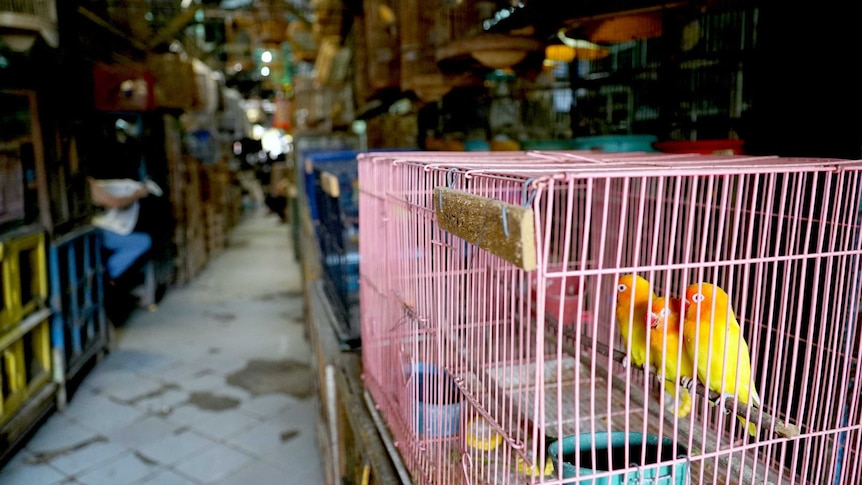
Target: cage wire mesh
column 44, row 9
column 421, row 35
column 485, row 372
column 382, row 43
column 677, row 74
column 643, row 69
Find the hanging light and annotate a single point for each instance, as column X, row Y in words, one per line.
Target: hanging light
column 19, row 42
column 582, row 49
column 559, row 53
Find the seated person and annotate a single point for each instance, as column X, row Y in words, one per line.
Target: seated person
column 276, row 199
column 125, row 244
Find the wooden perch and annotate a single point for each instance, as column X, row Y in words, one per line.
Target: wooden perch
column 505, row 230
column 766, row 420
column 329, row 184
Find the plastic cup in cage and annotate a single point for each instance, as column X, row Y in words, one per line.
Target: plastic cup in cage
column 625, row 453
column 556, row 304
column 438, row 402
column 482, row 436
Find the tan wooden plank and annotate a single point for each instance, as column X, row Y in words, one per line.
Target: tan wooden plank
column 502, row 229
column 329, row 184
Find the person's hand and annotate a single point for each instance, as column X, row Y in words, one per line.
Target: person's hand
column 141, row 192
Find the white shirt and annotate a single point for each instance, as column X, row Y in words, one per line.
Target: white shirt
column 122, row 221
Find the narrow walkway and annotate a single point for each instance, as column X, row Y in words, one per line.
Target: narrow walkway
column 211, row 388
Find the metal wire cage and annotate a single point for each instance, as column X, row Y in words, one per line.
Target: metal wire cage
column 489, row 368
column 37, row 16
column 679, row 74
column 330, row 177
column 336, row 237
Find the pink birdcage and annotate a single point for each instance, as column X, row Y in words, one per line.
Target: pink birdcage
column 491, row 345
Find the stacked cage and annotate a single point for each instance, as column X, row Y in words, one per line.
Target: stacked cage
column 331, row 183
column 219, row 205
column 493, row 311
column 79, row 328
column 304, row 146
column 681, row 74
column 186, row 195
column 26, row 387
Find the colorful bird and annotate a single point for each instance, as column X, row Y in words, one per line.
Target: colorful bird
column 634, row 294
column 666, row 356
column 720, row 351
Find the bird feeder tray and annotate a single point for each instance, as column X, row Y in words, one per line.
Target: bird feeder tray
column 495, row 51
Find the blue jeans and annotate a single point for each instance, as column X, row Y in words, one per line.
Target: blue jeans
column 124, row 250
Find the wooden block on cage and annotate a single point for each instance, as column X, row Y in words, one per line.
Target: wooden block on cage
column 502, row 229
column 329, row 184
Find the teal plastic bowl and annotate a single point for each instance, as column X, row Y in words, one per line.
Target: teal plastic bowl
column 573, row 446
column 546, row 145
column 616, row 143
column 476, row 146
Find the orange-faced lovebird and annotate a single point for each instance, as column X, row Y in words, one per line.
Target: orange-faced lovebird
column 670, row 360
column 723, row 350
column 634, row 294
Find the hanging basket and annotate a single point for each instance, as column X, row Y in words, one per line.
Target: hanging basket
column 625, row 28
column 495, row 51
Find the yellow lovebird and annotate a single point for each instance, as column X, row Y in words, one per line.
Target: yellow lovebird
column 663, row 320
column 634, row 294
column 722, row 350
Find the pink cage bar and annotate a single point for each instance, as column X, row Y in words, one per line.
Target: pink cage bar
column 488, row 373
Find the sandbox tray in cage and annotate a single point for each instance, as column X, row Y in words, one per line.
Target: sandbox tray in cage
column 643, row 414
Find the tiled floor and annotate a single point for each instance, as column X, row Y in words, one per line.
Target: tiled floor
column 211, row 388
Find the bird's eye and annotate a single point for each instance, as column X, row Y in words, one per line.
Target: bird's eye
column 622, row 288
column 697, row 298
column 664, row 312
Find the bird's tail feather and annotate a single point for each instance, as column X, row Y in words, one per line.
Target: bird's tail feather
column 754, row 397
column 752, row 428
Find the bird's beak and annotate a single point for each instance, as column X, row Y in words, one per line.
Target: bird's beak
column 652, row 320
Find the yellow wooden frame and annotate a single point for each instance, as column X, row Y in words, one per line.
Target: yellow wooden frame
column 14, row 309
column 15, row 365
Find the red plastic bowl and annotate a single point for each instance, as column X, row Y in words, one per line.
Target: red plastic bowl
column 553, row 303
column 703, row 147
